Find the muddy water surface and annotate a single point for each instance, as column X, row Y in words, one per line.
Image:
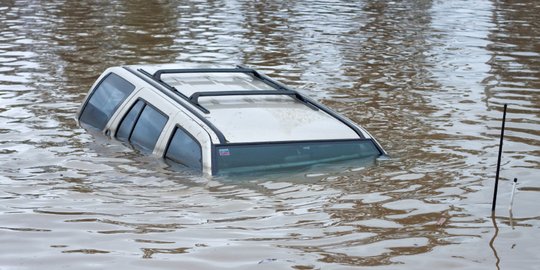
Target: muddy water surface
column 427, row 78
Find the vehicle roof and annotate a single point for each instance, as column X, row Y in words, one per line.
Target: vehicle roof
column 252, row 118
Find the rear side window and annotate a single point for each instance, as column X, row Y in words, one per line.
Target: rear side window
column 142, row 126
column 184, row 149
column 104, row 100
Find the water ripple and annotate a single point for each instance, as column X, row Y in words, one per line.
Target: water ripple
column 428, row 78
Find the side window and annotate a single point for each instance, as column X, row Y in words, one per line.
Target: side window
column 184, row 149
column 124, row 131
column 142, row 126
column 104, row 100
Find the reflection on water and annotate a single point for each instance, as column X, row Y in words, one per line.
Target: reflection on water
column 428, row 78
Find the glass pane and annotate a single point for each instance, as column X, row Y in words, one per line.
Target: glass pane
column 127, row 124
column 110, row 93
column 249, row 157
column 147, row 129
column 185, row 150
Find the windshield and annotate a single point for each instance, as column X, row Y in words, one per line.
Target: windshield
column 237, row 158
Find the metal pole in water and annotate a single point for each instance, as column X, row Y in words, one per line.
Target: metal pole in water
column 512, row 196
column 499, row 162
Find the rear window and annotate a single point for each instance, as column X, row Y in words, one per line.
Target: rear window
column 142, row 126
column 238, row 158
column 104, row 101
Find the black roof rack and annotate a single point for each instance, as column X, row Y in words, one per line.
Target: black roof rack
column 280, row 90
column 194, row 99
column 240, row 69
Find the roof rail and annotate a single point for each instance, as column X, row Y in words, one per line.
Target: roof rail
column 239, row 68
column 194, row 98
column 157, row 74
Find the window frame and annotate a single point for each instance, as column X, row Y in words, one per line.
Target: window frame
column 93, row 92
column 171, row 137
column 136, row 120
column 125, row 115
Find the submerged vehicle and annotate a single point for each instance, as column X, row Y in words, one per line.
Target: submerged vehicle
column 220, row 120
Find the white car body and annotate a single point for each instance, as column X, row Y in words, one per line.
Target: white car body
column 215, row 108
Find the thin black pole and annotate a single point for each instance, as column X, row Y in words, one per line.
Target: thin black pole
column 499, row 162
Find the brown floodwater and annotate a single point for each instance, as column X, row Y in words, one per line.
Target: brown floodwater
column 427, row 78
